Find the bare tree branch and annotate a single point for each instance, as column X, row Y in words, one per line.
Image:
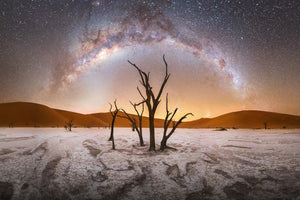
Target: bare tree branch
column 167, row 75
column 167, row 122
column 175, row 124
column 133, row 120
column 141, row 93
column 142, row 112
column 143, row 75
column 110, row 110
column 166, row 64
column 142, row 102
column 115, row 102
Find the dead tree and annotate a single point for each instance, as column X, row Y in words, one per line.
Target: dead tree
column 69, row 125
column 150, row 99
column 135, row 126
column 167, row 122
column 140, row 117
column 114, row 115
column 266, row 125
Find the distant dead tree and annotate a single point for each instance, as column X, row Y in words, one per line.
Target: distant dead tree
column 266, row 125
column 69, row 125
column 114, row 115
column 167, row 122
column 150, row 99
column 135, row 126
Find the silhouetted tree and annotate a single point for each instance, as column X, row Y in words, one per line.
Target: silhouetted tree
column 114, row 115
column 266, row 125
column 69, row 125
column 150, row 99
column 139, row 128
column 167, row 122
column 135, row 126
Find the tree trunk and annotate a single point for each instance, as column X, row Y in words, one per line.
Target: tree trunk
column 152, row 132
column 111, row 133
column 112, row 130
column 111, row 138
column 114, row 115
column 163, row 143
column 141, row 139
column 141, row 130
column 265, row 125
column 113, row 143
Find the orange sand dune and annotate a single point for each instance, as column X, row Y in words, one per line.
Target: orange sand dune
column 247, row 119
column 82, row 120
column 22, row 114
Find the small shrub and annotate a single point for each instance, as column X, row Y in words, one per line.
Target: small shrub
column 221, row 129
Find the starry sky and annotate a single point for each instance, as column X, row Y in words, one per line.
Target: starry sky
column 223, row 55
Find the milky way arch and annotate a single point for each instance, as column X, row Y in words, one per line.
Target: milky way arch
column 145, row 27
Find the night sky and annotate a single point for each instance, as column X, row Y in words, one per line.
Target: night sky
column 223, row 56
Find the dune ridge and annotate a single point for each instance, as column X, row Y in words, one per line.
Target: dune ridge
column 26, row 114
column 247, row 119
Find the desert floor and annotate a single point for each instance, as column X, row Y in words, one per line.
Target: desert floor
column 50, row 163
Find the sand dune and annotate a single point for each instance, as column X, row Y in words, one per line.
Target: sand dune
column 29, row 114
column 247, row 119
column 82, row 120
column 22, row 114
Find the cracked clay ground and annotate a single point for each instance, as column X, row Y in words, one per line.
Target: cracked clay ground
column 49, row 163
